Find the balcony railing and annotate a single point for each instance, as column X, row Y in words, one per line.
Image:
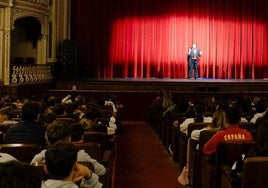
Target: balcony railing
column 23, row 74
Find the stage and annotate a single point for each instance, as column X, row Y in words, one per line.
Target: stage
column 175, row 85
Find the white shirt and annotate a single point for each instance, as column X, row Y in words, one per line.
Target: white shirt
column 256, row 116
column 93, row 182
column 184, row 125
column 81, row 156
column 5, row 157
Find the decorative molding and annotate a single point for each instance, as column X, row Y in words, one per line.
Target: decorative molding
column 18, row 13
column 6, row 3
column 6, row 50
column 30, row 74
column 1, row 59
column 44, row 3
column 2, row 19
column 11, row 3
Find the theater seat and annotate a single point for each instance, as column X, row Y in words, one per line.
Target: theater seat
column 195, row 156
column 92, row 148
column 227, row 153
column 22, row 152
column 255, row 172
column 107, row 159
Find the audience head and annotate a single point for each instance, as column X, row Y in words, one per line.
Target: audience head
column 14, row 174
column 262, row 141
column 52, row 101
column 161, row 93
column 58, row 131
column 262, row 136
column 233, row 115
column 6, row 113
column 59, row 109
column 223, row 105
column 50, row 117
column 60, row 160
column 30, row 111
column 260, row 106
column 218, row 121
column 77, row 132
column 199, row 109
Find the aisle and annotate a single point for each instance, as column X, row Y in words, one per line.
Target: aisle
column 141, row 161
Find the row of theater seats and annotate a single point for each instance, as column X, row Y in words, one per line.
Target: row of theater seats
column 203, row 172
column 97, row 144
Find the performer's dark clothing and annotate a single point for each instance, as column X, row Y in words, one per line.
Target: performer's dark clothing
column 193, row 55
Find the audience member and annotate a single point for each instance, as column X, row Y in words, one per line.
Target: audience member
column 81, row 118
column 218, row 123
column 260, row 108
column 155, row 107
column 28, row 130
column 62, row 166
column 4, row 157
column 232, row 132
column 77, row 134
column 262, row 141
column 167, row 100
column 5, row 98
column 14, row 174
column 61, row 131
column 199, row 117
column 6, row 114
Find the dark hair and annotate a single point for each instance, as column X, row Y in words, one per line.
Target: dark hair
column 58, row 130
column 199, row 108
column 15, row 174
column 260, row 106
column 262, row 135
column 59, row 109
column 60, row 159
column 77, row 132
column 233, row 115
column 8, row 111
column 30, row 110
column 199, row 118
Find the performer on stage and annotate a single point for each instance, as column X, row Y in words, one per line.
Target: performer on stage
column 193, row 55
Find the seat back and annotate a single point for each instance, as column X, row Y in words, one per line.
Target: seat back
column 204, row 137
column 229, row 152
column 196, row 126
column 96, row 136
column 103, row 121
column 255, row 172
column 195, row 157
column 92, row 148
column 250, row 127
column 22, row 152
column 4, row 128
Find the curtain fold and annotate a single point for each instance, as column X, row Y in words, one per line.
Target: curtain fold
column 146, row 39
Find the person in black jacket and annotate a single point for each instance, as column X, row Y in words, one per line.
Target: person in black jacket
column 28, row 130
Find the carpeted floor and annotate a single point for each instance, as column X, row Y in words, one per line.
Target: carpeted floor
column 141, row 160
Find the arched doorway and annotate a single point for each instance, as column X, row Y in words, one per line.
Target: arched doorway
column 24, row 38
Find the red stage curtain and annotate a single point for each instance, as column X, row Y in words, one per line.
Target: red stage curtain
column 150, row 38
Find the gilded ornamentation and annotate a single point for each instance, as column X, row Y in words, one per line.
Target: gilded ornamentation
column 31, row 74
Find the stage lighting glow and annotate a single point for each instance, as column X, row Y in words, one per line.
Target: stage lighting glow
column 158, row 45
